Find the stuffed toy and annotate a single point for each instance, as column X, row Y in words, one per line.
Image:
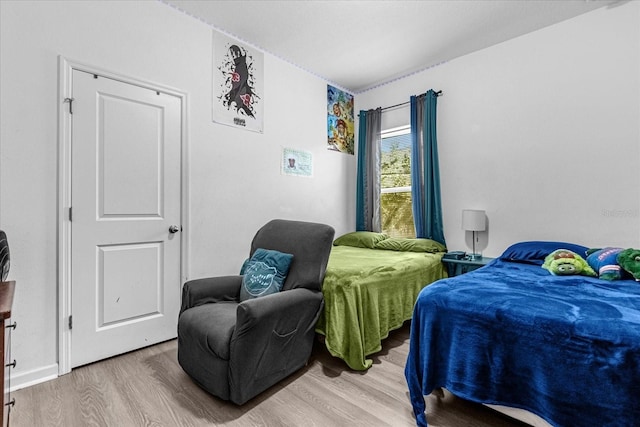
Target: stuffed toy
column 563, row 262
column 605, row 263
column 629, row 260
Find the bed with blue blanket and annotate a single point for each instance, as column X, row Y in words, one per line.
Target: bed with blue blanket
column 566, row 348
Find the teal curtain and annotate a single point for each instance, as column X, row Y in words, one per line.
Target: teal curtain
column 368, row 216
column 425, row 170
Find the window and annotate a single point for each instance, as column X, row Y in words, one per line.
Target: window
column 395, row 182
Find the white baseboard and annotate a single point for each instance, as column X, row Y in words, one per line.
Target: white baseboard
column 36, row 376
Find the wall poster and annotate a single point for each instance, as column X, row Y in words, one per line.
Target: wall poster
column 237, row 84
column 296, row 162
column 340, row 123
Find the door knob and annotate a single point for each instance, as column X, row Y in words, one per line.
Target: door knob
column 174, row 229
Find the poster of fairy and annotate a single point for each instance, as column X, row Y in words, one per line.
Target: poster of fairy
column 340, row 125
column 237, row 84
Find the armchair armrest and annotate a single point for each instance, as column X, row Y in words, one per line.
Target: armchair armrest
column 210, row 290
column 285, row 309
column 273, row 337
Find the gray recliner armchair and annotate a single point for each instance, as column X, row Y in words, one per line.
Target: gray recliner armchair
column 235, row 350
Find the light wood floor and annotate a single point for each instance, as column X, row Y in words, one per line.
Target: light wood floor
column 148, row 388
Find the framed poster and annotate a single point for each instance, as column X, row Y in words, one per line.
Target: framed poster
column 238, row 73
column 340, row 123
column 296, row 162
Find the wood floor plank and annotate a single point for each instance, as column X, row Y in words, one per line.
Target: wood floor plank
column 147, row 388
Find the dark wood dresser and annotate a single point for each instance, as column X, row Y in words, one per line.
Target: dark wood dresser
column 6, row 301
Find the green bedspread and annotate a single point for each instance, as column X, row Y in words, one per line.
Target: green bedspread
column 369, row 292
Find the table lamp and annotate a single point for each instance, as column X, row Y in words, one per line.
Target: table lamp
column 473, row 220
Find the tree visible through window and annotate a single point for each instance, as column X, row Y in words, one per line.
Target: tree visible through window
column 395, row 179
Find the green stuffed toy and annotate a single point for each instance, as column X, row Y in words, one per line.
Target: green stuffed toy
column 563, row 262
column 629, row 260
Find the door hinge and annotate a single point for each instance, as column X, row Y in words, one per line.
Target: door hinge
column 70, row 214
column 71, row 322
column 70, row 101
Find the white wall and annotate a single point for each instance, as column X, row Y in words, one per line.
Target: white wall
column 542, row 132
column 235, row 181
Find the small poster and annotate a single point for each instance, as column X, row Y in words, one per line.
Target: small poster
column 237, row 84
column 297, row 162
column 340, row 123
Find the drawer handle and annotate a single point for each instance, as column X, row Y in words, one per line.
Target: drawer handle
column 12, row 403
column 13, row 326
column 12, row 364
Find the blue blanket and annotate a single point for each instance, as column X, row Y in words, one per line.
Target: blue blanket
column 566, row 348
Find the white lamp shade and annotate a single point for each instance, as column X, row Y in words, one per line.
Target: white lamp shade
column 473, row 220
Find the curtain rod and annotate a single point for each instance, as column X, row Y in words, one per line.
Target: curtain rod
column 438, row 93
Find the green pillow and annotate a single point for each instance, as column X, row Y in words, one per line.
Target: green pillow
column 264, row 273
column 410, row 245
column 360, row 239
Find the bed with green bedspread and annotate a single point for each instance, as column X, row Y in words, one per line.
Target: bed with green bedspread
column 369, row 291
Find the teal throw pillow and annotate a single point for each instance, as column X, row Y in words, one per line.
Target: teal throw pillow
column 264, row 273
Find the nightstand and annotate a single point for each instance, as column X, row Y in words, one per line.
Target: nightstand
column 456, row 267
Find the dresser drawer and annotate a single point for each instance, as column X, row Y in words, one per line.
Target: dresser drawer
column 6, row 356
column 6, row 301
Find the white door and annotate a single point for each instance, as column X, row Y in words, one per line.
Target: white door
column 125, row 225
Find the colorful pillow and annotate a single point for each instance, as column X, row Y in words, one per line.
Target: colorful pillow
column 605, row 263
column 534, row 252
column 410, row 245
column 360, row 239
column 264, row 273
column 563, row 262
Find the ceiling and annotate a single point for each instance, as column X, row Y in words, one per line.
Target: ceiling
column 357, row 45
